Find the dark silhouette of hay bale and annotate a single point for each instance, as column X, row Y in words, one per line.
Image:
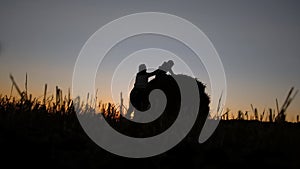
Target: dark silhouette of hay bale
column 168, row 85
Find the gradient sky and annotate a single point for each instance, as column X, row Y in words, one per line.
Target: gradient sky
column 258, row 42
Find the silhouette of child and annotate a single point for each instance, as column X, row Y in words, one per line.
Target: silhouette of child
column 164, row 68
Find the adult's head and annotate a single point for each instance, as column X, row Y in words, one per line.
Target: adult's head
column 142, row 67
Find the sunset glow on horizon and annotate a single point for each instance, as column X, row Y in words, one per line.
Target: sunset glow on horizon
column 258, row 44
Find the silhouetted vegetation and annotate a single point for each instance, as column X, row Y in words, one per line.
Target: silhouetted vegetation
column 47, row 134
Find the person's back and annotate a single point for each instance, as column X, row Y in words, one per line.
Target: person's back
column 141, row 79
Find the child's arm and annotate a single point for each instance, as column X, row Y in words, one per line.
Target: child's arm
column 171, row 72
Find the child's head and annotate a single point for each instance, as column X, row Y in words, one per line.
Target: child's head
column 170, row 63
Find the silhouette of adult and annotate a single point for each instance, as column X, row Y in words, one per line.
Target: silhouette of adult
column 139, row 94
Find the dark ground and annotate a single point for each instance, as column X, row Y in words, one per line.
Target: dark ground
column 48, row 141
column 33, row 136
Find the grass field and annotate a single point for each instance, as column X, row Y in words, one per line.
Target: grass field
column 38, row 136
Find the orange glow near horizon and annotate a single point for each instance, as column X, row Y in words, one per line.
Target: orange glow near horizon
column 233, row 106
